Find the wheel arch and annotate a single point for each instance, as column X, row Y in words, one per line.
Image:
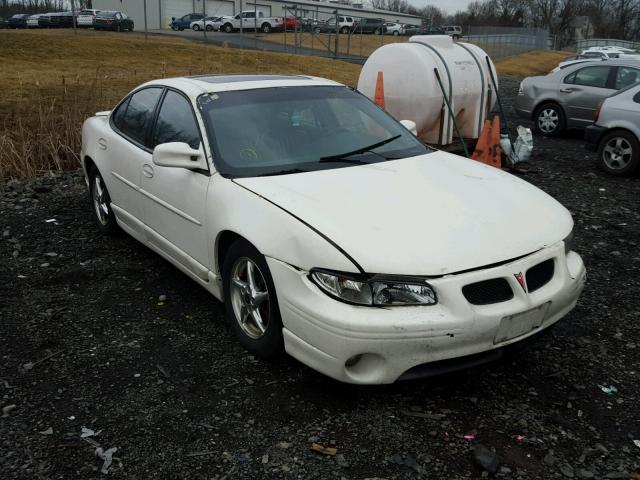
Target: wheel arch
column 223, row 242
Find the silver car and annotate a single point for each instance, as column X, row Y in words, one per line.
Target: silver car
column 570, row 97
column 615, row 134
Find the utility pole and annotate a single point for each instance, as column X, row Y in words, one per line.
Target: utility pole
column 146, row 33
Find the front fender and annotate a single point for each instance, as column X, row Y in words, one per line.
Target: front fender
column 273, row 231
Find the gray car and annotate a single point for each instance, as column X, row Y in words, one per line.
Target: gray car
column 570, row 97
column 615, row 135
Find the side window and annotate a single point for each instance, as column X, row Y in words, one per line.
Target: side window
column 590, row 77
column 176, row 122
column 134, row 121
column 626, row 76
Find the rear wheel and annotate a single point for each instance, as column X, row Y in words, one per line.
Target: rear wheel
column 619, row 153
column 396, row 33
column 101, row 202
column 377, row 31
column 196, row 27
column 250, row 300
column 266, row 28
column 209, row 28
column 174, row 28
column 344, row 30
column 549, row 119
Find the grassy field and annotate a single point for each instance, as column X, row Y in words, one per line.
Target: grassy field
column 52, row 80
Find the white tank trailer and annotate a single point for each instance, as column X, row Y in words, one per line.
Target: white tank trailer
column 412, row 92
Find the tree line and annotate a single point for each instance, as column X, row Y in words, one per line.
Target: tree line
column 608, row 18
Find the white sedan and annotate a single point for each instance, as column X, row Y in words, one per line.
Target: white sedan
column 213, row 24
column 327, row 228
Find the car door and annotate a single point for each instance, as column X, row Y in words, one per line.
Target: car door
column 174, row 199
column 127, row 151
column 582, row 91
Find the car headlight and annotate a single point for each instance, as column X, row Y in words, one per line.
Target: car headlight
column 375, row 291
column 568, row 242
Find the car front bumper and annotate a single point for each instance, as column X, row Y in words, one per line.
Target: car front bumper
column 369, row 345
column 592, row 136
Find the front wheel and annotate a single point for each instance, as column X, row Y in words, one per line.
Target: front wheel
column 344, row 30
column 266, row 28
column 174, row 28
column 101, row 202
column 619, row 153
column 396, row 33
column 377, row 31
column 549, row 120
column 209, row 28
column 228, row 28
column 250, row 300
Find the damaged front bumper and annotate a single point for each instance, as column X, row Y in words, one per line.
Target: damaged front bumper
column 368, row 345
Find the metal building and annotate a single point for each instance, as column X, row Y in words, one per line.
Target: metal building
column 160, row 12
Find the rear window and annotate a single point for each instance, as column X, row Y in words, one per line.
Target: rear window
column 107, row 14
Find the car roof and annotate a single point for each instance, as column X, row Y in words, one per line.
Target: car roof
column 199, row 84
column 617, row 62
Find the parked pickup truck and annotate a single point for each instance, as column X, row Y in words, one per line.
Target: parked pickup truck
column 248, row 21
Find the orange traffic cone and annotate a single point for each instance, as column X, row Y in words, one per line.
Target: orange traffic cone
column 483, row 143
column 379, row 95
column 494, row 158
column 488, row 147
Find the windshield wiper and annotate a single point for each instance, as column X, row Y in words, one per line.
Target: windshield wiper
column 343, row 157
column 283, row 172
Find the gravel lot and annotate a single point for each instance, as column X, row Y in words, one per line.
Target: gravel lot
column 102, row 333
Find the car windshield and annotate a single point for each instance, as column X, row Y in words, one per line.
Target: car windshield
column 269, row 131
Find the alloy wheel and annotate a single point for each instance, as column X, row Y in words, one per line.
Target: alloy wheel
column 100, row 200
column 548, row 120
column 617, row 153
column 249, row 298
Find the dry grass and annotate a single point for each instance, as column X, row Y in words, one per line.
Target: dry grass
column 52, row 80
column 531, row 63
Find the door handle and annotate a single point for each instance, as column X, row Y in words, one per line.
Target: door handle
column 566, row 90
column 147, row 170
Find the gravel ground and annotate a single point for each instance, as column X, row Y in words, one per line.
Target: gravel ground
column 102, row 333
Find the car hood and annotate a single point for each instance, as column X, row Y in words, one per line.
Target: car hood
column 433, row 214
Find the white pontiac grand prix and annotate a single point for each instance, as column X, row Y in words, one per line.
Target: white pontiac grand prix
column 327, row 228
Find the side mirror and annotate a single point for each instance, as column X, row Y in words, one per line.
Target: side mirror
column 410, row 125
column 179, row 155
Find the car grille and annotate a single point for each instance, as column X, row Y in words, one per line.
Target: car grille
column 539, row 275
column 486, row 292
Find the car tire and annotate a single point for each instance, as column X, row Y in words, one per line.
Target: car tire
column 174, row 28
column 619, row 153
column 344, row 30
column 131, row 28
column 396, row 33
column 455, row 37
column 118, row 28
column 196, row 27
column 317, row 30
column 266, row 28
column 377, row 31
column 209, row 28
column 260, row 332
column 228, row 28
column 549, row 120
column 101, row 202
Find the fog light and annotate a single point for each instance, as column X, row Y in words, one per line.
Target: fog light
column 353, row 360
